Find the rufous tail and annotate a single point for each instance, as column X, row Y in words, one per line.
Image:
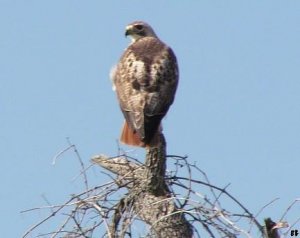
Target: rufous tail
column 129, row 137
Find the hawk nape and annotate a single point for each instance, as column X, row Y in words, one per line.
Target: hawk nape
column 145, row 80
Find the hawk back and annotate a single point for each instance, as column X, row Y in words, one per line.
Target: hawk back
column 146, row 79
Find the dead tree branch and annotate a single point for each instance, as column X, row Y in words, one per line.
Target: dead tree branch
column 148, row 193
column 172, row 203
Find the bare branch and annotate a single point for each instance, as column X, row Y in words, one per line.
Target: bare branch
column 169, row 204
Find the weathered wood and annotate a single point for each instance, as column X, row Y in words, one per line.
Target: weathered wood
column 148, row 196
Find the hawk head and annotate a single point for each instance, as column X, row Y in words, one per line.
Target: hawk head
column 139, row 29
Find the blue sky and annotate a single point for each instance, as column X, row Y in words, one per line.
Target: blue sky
column 236, row 113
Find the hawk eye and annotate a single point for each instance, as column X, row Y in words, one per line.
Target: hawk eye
column 139, row 27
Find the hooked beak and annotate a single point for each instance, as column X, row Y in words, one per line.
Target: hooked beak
column 128, row 31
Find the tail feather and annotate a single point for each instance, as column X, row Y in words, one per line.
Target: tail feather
column 129, row 137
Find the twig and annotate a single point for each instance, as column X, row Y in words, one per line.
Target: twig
column 289, row 207
column 59, row 154
column 83, row 171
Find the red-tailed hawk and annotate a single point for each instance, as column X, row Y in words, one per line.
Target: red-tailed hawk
column 145, row 80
